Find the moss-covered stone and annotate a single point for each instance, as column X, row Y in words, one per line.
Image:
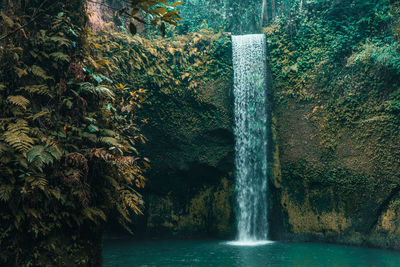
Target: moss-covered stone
column 191, row 147
column 209, row 213
column 337, row 183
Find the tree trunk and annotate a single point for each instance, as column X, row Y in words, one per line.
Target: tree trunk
column 264, row 14
column 10, row 7
column 273, row 10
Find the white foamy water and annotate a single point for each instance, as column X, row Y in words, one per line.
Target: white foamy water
column 249, row 243
column 250, row 93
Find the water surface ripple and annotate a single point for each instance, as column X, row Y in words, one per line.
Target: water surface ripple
column 124, row 253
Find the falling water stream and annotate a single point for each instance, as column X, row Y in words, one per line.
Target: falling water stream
column 250, row 93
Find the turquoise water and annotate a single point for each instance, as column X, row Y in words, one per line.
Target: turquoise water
column 217, row 253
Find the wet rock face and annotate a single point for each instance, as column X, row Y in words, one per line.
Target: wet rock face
column 347, row 194
column 191, row 146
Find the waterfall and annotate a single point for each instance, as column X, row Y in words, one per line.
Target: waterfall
column 250, row 93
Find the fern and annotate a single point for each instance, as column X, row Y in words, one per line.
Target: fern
column 40, row 155
column 93, row 214
column 37, row 182
column 20, row 72
column 39, row 89
column 40, row 114
column 39, row 72
column 60, row 57
column 61, row 41
column 3, row 148
column 18, row 100
column 108, row 132
column 36, row 132
column 5, row 192
column 7, row 20
column 110, row 141
column 17, row 136
column 100, row 91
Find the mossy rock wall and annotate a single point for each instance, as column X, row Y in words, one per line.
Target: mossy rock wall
column 191, row 146
column 338, row 187
column 188, row 115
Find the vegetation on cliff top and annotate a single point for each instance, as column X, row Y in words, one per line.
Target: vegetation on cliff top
column 344, row 57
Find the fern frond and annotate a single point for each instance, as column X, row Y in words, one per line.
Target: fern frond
column 113, row 182
column 7, row 20
column 37, row 182
column 20, row 72
column 40, row 155
column 61, row 41
column 40, row 114
column 36, row 132
column 100, row 91
column 3, row 148
column 40, row 89
column 56, row 193
column 108, row 132
column 133, row 200
column 110, row 141
column 39, row 72
column 5, row 192
column 93, row 214
column 17, row 136
column 18, row 100
column 125, row 226
column 60, row 57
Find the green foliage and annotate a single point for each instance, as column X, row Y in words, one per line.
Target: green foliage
column 41, row 155
column 338, row 37
column 342, row 59
column 18, row 100
column 234, row 16
column 160, row 64
column 17, row 136
column 158, row 12
column 68, row 138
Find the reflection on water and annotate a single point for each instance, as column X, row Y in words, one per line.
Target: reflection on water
column 214, row 253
